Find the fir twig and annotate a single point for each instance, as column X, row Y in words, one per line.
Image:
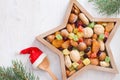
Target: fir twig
column 108, row 7
column 17, row 72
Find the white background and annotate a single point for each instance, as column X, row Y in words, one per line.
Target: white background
column 22, row 20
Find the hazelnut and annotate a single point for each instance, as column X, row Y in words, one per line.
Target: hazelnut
column 102, row 56
column 82, row 46
column 94, row 61
column 88, row 42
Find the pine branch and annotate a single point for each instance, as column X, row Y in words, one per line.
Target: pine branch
column 17, row 72
column 107, row 7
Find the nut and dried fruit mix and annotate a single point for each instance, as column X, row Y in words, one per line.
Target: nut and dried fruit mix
column 82, row 42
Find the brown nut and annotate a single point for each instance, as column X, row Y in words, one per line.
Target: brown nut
column 88, row 42
column 73, row 18
column 102, row 56
column 94, row 61
column 69, row 28
column 64, row 33
column 82, row 46
column 50, row 38
column 75, row 9
column 84, row 18
column 66, row 44
column 73, row 43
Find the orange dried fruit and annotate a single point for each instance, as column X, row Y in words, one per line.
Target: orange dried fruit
column 95, row 46
column 57, row 43
column 109, row 27
column 66, row 44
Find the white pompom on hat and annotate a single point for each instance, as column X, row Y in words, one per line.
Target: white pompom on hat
column 36, row 55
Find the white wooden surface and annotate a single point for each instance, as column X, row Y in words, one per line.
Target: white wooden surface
column 22, row 20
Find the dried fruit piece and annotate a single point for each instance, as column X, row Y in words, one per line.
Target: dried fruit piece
column 57, row 43
column 73, row 43
column 66, row 44
column 104, row 64
column 80, row 66
column 94, row 36
column 84, row 18
column 80, row 34
column 95, row 46
column 69, row 28
column 91, row 25
column 102, row 56
column 99, row 29
column 66, row 52
column 74, row 55
column 75, row 64
column 75, row 38
column 68, row 62
column 88, row 32
column 94, row 61
column 109, row 27
column 71, row 35
column 72, row 72
column 86, row 61
column 101, row 36
column 82, row 46
column 73, row 18
column 88, row 42
column 107, row 59
column 59, row 37
column 50, row 38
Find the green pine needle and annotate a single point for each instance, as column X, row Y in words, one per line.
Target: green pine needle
column 107, row 7
column 17, row 72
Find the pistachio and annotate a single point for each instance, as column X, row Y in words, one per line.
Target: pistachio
column 82, row 46
column 73, row 18
column 69, row 28
column 68, row 62
column 84, row 18
column 74, row 55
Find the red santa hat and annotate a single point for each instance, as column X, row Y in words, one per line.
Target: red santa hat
column 36, row 55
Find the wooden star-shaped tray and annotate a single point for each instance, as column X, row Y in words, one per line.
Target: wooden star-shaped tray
column 82, row 42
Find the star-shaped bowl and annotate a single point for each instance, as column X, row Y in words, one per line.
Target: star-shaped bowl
column 82, row 42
